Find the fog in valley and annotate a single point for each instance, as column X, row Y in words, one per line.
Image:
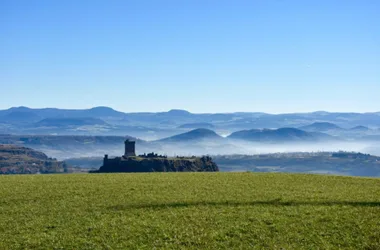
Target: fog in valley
column 234, row 155
column 63, row 152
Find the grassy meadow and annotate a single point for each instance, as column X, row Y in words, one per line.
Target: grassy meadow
column 189, row 211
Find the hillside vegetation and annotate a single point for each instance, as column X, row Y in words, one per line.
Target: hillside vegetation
column 22, row 160
column 189, row 211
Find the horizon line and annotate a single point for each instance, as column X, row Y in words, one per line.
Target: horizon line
column 185, row 110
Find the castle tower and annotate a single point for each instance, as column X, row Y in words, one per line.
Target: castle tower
column 129, row 148
column 105, row 160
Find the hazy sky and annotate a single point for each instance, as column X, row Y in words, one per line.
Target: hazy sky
column 203, row 56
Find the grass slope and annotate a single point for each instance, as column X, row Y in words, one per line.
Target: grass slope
column 189, row 210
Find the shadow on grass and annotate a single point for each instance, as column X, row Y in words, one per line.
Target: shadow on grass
column 276, row 202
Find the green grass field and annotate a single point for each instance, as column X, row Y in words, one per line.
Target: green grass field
column 189, row 210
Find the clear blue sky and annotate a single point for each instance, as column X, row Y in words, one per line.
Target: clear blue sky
column 203, row 56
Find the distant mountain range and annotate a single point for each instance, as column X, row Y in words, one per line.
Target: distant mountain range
column 97, row 112
column 153, row 126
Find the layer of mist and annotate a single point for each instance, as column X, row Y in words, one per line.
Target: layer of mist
column 208, row 148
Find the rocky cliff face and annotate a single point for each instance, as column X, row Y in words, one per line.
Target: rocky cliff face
column 139, row 164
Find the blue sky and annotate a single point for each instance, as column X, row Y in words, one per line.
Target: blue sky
column 203, row 56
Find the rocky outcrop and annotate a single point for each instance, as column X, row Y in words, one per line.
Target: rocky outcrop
column 158, row 164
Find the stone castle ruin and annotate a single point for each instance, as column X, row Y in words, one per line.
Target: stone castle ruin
column 129, row 148
column 152, row 162
column 129, row 151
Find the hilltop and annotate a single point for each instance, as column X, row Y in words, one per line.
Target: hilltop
column 22, row 160
column 159, row 164
column 360, row 128
column 129, row 162
column 193, row 135
column 320, row 127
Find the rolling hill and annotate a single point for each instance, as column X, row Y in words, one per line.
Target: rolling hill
column 320, row 127
column 277, row 135
column 194, row 135
column 360, row 129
